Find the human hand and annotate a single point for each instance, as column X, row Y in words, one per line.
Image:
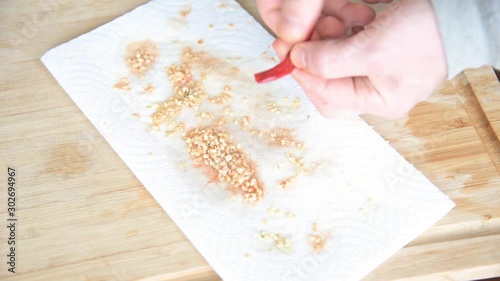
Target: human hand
column 397, row 61
column 292, row 20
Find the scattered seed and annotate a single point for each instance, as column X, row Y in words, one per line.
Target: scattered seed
column 185, row 12
column 318, row 242
column 235, row 70
column 244, row 122
column 284, row 137
column 179, row 128
column 224, row 98
column 315, row 227
column 273, row 211
column 122, row 84
column 273, row 107
column 205, row 115
column 280, row 242
column 148, row 89
column 228, row 111
column 221, row 121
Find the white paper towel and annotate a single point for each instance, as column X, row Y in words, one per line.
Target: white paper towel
column 364, row 197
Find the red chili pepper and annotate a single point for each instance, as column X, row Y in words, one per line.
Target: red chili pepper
column 282, row 69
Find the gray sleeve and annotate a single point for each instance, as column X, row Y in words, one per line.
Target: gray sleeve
column 471, row 33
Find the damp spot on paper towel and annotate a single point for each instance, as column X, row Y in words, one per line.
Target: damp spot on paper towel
column 65, row 160
column 214, row 148
column 140, row 56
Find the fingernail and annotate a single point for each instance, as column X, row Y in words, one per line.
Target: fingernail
column 298, row 57
column 356, row 29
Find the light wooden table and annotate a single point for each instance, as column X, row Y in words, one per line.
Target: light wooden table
column 84, row 216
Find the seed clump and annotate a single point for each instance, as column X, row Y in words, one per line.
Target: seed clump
column 188, row 93
column 141, row 56
column 213, row 147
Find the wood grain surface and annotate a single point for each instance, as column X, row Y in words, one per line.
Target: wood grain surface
column 84, row 216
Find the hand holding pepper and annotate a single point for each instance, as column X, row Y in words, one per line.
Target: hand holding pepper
column 385, row 69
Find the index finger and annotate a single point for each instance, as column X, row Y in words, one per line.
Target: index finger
column 292, row 20
column 270, row 11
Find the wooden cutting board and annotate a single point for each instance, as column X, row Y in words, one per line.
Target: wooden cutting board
column 82, row 215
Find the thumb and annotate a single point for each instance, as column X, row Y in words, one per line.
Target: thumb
column 331, row 59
